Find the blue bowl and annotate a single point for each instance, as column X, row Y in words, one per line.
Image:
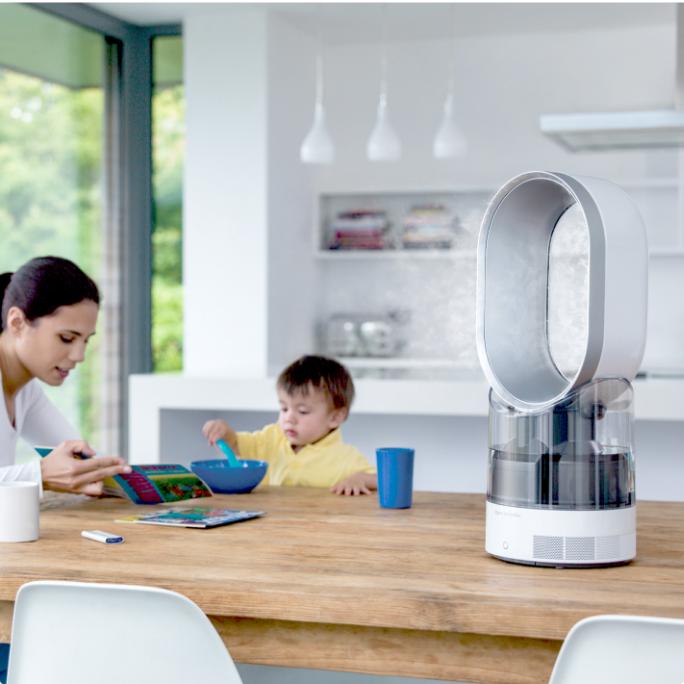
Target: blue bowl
column 222, row 479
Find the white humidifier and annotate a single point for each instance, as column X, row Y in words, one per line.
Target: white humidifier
column 561, row 459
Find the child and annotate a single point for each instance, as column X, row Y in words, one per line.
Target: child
column 304, row 448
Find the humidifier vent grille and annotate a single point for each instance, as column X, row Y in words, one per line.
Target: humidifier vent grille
column 549, row 548
column 579, row 549
column 608, row 548
column 628, row 545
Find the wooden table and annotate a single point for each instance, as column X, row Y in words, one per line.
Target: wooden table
column 338, row 583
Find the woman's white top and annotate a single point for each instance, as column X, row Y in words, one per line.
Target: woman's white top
column 38, row 422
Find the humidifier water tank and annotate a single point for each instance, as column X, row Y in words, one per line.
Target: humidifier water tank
column 561, row 479
column 561, row 461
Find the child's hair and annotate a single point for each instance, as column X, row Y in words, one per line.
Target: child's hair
column 323, row 373
column 44, row 284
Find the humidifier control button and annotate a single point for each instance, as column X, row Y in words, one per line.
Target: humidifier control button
column 505, row 545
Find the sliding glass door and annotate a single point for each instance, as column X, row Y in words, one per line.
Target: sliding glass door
column 53, row 187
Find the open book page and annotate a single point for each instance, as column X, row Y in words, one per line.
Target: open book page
column 151, row 484
column 193, row 517
column 159, row 483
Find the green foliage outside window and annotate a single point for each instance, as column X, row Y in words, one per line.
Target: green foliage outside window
column 168, row 144
column 50, row 174
column 51, row 142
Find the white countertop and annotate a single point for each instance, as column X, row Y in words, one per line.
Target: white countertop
column 258, row 394
column 655, row 399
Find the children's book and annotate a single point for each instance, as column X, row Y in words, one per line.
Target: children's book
column 193, row 517
column 151, row 484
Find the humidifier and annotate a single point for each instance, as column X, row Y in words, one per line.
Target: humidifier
column 561, row 486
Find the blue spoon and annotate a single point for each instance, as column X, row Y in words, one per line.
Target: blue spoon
column 232, row 459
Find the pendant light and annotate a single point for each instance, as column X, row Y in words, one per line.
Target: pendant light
column 383, row 144
column 318, row 146
column 449, row 141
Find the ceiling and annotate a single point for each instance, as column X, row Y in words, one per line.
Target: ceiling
column 359, row 22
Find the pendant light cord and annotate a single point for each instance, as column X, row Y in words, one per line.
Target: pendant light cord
column 319, row 60
column 452, row 25
column 383, row 54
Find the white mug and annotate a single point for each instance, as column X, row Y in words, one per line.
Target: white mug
column 19, row 511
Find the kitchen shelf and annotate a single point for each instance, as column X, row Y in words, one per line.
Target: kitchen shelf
column 468, row 204
column 411, row 369
column 364, row 362
column 649, row 183
column 343, row 254
column 395, row 362
column 658, row 253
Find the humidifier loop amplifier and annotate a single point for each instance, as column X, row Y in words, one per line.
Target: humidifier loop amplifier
column 559, row 352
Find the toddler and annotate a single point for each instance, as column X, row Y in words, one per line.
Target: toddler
column 304, row 448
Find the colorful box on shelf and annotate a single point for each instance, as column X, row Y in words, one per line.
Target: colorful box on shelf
column 359, row 229
column 429, row 227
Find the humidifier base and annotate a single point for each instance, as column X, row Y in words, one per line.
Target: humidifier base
column 558, row 538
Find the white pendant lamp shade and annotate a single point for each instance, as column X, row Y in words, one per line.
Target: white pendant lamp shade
column 449, row 141
column 318, row 147
column 383, row 144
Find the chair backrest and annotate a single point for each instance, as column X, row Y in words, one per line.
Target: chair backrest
column 624, row 649
column 109, row 633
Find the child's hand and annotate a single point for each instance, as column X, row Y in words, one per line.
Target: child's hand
column 214, row 430
column 356, row 484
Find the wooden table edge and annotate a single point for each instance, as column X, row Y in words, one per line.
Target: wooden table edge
column 450, row 656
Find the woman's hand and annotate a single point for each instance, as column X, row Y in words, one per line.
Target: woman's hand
column 214, row 430
column 356, row 484
column 62, row 472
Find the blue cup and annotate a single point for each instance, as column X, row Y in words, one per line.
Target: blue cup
column 395, row 477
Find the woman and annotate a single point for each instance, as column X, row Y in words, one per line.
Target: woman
column 49, row 312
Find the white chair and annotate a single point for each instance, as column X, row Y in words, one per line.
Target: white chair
column 622, row 649
column 79, row 633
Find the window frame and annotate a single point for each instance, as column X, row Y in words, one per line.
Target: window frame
column 128, row 173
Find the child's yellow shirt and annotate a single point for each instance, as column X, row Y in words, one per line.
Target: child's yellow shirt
column 322, row 464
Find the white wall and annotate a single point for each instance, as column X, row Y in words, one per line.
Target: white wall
column 225, row 210
column 247, row 269
column 254, row 291
column 503, row 85
column 292, row 276
column 253, row 287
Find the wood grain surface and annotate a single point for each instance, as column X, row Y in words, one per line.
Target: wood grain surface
column 339, row 583
column 405, row 653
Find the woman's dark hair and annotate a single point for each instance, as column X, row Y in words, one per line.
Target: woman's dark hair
column 44, row 284
column 322, row 373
